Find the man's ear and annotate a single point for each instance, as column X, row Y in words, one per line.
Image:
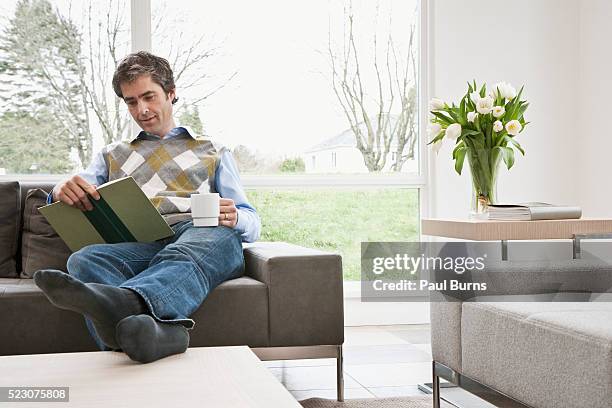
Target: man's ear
column 172, row 96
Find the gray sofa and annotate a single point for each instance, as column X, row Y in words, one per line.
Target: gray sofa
column 541, row 337
column 289, row 303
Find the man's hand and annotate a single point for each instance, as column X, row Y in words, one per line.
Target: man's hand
column 228, row 213
column 74, row 193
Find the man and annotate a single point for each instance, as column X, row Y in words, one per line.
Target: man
column 137, row 297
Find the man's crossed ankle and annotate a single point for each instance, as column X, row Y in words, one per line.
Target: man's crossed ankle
column 140, row 336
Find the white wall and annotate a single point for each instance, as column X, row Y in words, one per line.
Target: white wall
column 530, row 42
column 594, row 135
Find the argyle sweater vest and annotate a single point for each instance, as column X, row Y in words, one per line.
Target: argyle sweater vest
column 167, row 170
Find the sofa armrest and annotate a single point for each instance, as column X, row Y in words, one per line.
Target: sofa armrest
column 445, row 318
column 304, row 292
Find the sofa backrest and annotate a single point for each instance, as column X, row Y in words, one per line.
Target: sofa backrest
column 13, row 204
column 10, row 225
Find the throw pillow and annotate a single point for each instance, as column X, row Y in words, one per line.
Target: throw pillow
column 10, row 223
column 41, row 247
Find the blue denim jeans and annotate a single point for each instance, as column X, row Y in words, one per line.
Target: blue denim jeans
column 173, row 275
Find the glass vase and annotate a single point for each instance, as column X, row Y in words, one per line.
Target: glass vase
column 484, row 166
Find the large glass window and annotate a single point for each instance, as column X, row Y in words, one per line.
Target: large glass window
column 318, row 103
column 56, row 63
column 298, row 87
column 338, row 220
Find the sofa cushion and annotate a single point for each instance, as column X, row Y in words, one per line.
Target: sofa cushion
column 41, row 247
column 527, row 350
column 10, row 223
column 234, row 313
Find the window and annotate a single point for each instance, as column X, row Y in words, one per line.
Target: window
column 268, row 79
column 338, row 220
column 57, row 62
column 274, row 90
column 262, row 78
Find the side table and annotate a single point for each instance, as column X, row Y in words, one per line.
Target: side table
column 504, row 231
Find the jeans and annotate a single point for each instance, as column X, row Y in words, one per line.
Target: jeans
column 173, row 275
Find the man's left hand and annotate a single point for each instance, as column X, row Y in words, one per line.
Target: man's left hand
column 228, row 213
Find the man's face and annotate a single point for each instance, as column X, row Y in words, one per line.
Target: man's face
column 149, row 105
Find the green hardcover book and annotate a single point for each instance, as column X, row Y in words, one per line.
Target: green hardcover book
column 122, row 214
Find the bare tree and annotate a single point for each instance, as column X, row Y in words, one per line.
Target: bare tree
column 41, row 53
column 246, row 159
column 107, row 43
column 189, row 62
column 390, row 121
column 65, row 68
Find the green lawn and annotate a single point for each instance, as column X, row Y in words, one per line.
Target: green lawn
column 338, row 221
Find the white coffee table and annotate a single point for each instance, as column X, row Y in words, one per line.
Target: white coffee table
column 200, row 377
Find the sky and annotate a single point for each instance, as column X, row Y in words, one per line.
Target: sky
column 281, row 101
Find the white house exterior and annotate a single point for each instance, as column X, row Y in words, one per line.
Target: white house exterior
column 339, row 154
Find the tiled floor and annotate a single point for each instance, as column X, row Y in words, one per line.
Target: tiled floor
column 379, row 361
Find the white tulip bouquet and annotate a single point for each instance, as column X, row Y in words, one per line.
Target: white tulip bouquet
column 483, row 128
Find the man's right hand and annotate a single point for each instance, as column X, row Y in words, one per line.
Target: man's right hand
column 74, row 193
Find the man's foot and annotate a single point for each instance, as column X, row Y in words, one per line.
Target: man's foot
column 105, row 305
column 145, row 340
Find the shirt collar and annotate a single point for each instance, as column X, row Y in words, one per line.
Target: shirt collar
column 174, row 132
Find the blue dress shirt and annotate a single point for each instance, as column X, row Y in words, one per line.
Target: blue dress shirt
column 227, row 184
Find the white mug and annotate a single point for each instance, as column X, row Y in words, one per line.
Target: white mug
column 205, row 209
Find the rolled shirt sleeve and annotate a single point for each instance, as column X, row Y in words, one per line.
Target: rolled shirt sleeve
column 228, row 185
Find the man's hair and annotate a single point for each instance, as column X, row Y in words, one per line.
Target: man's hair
column 144, row 63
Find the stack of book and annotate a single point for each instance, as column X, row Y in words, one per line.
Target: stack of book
column 533, row 211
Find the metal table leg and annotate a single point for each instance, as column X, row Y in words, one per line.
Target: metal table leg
column 577, row 251
column 504, row 250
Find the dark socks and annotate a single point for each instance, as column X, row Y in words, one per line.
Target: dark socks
column 105, row 305
column 145, row 340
